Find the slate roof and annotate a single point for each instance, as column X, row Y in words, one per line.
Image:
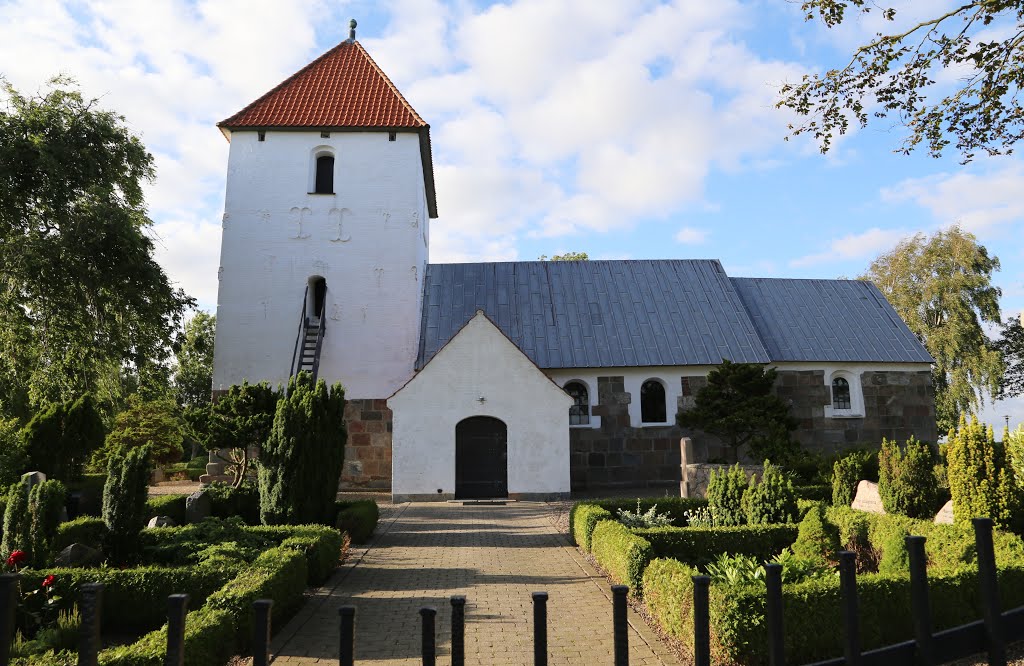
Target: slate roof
column 828, row 320
column 597, row 314
column 592, row 314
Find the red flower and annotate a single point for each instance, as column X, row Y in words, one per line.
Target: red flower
column 16, row 557
column 49, row 581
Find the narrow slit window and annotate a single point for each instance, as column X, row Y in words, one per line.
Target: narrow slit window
column 652, row 402
column 579, row 411
column 840, row 393
column 324, row 175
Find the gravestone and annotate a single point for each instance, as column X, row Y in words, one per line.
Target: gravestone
column 945, row 514
column 867, row 498
column 78, row 555
column 161, row 521
column 32, row 479
column 197, row 506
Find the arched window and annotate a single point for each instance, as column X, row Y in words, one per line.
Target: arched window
column 840, row 393
column 652, row 402
column 324, row 175
column 579, row 411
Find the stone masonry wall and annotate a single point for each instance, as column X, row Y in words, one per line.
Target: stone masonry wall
column 368, row 452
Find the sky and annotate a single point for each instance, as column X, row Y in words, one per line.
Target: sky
column 628, row 130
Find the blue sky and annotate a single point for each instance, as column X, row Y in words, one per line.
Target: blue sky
column 635, row 129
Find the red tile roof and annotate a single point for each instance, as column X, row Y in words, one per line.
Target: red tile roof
column 342, row 88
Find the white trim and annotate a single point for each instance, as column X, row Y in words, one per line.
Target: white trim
column 856, row 410
column 314, row 154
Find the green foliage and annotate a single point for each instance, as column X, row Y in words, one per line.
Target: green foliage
column 153, row 423
column 725, row 496
column 358, row 519
column 82, row 292
column 746, row 569
column 124, row 499
column 739, row 406
column 1013, row 446
column 816, row 493
column 300, row 464
column 621, row 552
column 850, row 469
column 942, row 288
column 45, row 504
column 809, row 468
column 643, row 519
column 676, row 507
column 889, row 78
column 13, row 458
column 239, row 421
column 771, row 499
column 86, row 530
column 16, row 522
column 698, row 545
column 906, row 479
column 980, row 480
column 817, row 538
column 1011, row 346
column 895, row 557
column 90, row 493
column 172, row 506
column 193, row 378
column 227, row 501
column 667, row 584
column 60, row 438
column 583, row 519
column 320, row 544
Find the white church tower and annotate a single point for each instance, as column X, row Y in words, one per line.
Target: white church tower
column 330, row 191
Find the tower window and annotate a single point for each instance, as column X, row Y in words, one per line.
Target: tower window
column 324, row 175
column 261, row 136
column 579, row 411
column 325, row 135
column 840, row 393
column 652, row 402
column 392, row 136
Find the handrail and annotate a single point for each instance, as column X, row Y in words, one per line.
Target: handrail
column 321, row 331
column 293, row 370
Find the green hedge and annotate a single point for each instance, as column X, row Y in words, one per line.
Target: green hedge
column 320, row 544
column 817, row 493
column 85, row 530
column 621, row 553
column 172, row 506
column 676, row 507
column 700, row 545
column 583, row 518
column 358, row 518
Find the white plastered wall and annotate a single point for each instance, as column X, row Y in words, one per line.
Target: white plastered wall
column 368, row 240
column 479, row 362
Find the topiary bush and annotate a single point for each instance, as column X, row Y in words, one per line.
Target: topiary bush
column 725, row 496
column 906, row 479
column 582, row 520
column 45, row 505
column 61, row 437
column 816, row 538
column 698, row 545
column 771, row 499
column 124, row 499
column 358, row 519
column 980, row 480
column 16, row 522
column 622, row 553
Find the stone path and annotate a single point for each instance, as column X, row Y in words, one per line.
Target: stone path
column 496, row 556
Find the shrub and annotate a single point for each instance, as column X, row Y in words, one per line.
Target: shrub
column 16, row 522
column 895, row 557
column 668, row 595
column 816, row 538
column 725, row 496
column 771, row 499
column 172, row 506
column 641, row 519
column 153, row 423
column 848, row 471
column 676, row 507
column 227, row 501
column 60, row 438
column 698, row 546
column 86, row 530
column 906, row 479
column 622, row 553
column 358, row 519
column 45, row 504
column 320, row 544
column 124, row 499
column 582, row 520
column 980, row 481
column 301, row 462
column 817, row 493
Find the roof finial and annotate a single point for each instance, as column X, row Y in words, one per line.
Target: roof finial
column 352, row 30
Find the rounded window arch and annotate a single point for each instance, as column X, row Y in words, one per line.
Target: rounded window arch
column 321, row 170
column 847, row 398
column 840, row 393
column 579, row 411
column 652, row 402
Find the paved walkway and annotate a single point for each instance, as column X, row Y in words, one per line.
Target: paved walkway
column 496, row 556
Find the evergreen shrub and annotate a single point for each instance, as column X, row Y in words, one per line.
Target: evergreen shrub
column 583, row 519
column 771, row 499
column 851, row 468
column 980, row 480
column 17, row 522
column 124, row 499
column 45, row 505
column 622, row 553
column 816, row 536
column 698, row 545
column 358, row 519
column 172, row 506
column 86, row 530
column 227, row 501
column 725, row 496
column 906, row 479
column 60, row 438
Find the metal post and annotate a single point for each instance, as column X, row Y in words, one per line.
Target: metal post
column 346, row 650
column 261, row 610
column 989, row 591
column 540, row 628
column 429, row 646
column 919, row 606
column 177, row 608
column 90, row 607
column 458, row 630
column 620, row 624
column 773, row 613
column 701, row 621
column 848, row 589
column 8, row 606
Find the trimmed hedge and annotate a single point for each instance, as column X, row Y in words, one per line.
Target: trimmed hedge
column 701, row 545
column 320, row 544
column 172, row 506
column 583, row 518
column 675, row 507
column 358, row 518
column 817, row 493
column 86, row 530
column 622, row 553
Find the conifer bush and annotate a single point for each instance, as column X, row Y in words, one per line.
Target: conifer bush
column 906, row 479
column 980, row 480
column 846, row 473
column 817, row 538
column 770, row 500
column 16, row 522
column 725, row 496
column 60, row 438
column 45, row 502
column 300, row 465
column 124, row 499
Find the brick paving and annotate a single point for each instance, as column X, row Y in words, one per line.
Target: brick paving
column 495, row 556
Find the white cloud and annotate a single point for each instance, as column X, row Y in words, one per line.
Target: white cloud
column 691, row 236
column 853, row 246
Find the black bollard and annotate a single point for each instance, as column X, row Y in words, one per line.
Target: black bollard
column 90, row 606
column 919, row 606
column 540, row 628
column 177, row 609
column 989, row 591
column 261, row 610
column 346, row 650
column 773, row 614
column 620, row 624
column 848, row 590
column 701, row 621
column 8, row 608
column 429, row 645
column 458, row 630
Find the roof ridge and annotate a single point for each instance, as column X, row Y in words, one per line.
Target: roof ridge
column 387, row 79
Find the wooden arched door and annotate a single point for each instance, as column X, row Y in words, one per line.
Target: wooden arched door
column 481, row 458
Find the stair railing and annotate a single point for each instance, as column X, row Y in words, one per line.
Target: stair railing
column 321, row 331
column 303, row 322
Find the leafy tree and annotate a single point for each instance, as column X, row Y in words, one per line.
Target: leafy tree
column 300, row 465
column 981, row 41
column 568, row 256
column 193, row 379
column 980, row 480
column 81, row 290
column 942, row 288
column 60, row 438
column 239, row 421
column 12, row 453
column 738, row 406
column 1011, row 345
column 152, row 423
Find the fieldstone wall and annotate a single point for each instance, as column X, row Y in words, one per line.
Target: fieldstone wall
column 368, row 452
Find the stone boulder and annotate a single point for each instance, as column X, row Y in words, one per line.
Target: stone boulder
column 161, row 521
column 78, row 555
column 197, row 507
column 945, row 514
column 867, row 498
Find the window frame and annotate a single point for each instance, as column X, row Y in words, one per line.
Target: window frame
column 586, row 396
column 856, row 408
column 315, row 155
column 664, row 401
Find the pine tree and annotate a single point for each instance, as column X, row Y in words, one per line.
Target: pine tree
column 300, row 465
column 980, row 480
column 124, row 499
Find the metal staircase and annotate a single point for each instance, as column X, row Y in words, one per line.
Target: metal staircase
column 309, row 340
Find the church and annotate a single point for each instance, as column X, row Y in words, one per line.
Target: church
column 524, row 379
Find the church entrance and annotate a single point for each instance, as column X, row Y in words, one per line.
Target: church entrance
column 481, row 458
